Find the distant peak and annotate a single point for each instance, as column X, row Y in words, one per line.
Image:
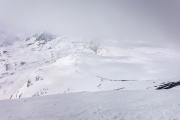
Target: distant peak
column 43, row 36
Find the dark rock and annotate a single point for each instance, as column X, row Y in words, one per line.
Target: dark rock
column 168, row 85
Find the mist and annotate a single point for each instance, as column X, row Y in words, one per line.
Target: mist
column 145, row 25
column 154, row 22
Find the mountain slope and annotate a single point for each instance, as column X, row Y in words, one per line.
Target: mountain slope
column 45, row 64
column 112, row 105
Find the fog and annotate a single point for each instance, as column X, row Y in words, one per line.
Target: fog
column 142, row 35
column 155, row 22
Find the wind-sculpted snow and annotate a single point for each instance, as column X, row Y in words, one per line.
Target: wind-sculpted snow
column 22, row 63
column 45, row 64
column 111, row 105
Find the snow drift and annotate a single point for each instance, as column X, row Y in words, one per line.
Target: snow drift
column 110, row 105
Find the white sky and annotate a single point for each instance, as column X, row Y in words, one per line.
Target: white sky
column 133, row 20
column 150, row 22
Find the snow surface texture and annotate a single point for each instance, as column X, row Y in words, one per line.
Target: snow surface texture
column 112, row 105
column 45, row 64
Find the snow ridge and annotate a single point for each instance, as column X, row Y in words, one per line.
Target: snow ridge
column 45, row 64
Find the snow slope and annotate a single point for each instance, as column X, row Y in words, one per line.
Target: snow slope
column 45, row 64
column 110, row 105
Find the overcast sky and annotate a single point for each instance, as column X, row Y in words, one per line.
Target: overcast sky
column 143, row 20
column 127, row 23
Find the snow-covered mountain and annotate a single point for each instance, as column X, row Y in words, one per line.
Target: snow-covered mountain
column 44, row 64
